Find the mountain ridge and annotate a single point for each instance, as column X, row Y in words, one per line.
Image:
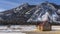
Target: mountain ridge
column 23, row 13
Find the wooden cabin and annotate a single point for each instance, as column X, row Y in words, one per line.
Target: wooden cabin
column 44, row 26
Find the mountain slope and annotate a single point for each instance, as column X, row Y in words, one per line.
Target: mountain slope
column 31, row 14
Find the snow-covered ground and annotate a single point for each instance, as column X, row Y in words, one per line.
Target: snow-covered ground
column 55, row 28
column 18, row 28
column 11, row 33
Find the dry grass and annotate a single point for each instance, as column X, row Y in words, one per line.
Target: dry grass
column 43, row 32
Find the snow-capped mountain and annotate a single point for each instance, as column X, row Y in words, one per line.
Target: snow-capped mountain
column 26, row 13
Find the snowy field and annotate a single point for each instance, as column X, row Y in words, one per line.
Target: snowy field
column 24, row 28
column 12, row 33
column 18, row 29
column 55, row 28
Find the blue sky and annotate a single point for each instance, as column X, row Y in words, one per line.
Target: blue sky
column 8, row 4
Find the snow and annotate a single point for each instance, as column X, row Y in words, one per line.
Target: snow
column 18, row 28
column 45, row 17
